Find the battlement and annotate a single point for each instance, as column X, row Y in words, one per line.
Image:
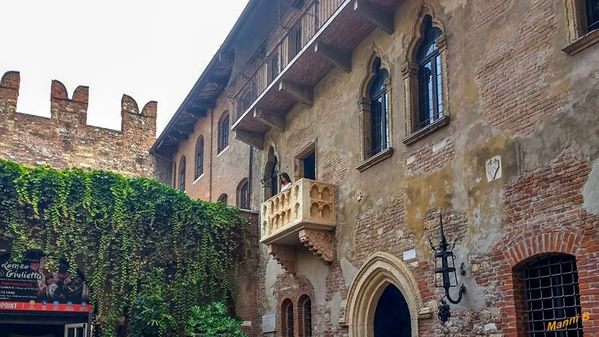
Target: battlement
column 74, row 110
column 66, row 140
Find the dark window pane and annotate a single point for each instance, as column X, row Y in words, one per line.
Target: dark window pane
column 223, row 133
column 592, row 9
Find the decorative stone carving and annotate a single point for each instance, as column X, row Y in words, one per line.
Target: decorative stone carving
column 303, row 214
column 318, row 242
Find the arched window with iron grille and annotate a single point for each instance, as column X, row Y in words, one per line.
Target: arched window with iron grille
column 305, row 307
column 549, row 293
column 287, row 318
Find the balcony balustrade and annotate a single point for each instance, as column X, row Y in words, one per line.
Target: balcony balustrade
column 304, row 214
column 323, row 36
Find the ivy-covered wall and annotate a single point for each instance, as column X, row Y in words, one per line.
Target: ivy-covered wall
column 118, row 231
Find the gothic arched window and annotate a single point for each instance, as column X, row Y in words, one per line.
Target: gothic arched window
column 379, row 109
column 430, row 82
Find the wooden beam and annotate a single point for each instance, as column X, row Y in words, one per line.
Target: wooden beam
column 383, row 19
column 270, row 118
column 300, row 93
column 197, row 110
column 336, row 56
column 251, row 138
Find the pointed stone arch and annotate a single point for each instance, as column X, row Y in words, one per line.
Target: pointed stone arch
column 367, row 158
column 381, row 270
column 417, row 31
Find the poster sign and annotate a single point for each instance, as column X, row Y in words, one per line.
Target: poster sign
column 32, row 285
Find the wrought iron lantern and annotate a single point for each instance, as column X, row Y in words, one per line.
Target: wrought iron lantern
column 445, row 273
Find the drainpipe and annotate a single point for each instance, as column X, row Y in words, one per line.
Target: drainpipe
column 211, row 149
column 250, row 176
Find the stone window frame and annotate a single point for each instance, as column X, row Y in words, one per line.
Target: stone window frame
column 579, row 37
column 409, row 72
column 298, row 167
column 367, row 160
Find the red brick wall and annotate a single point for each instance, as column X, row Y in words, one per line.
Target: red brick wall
column 65, row 140
column 544, row 214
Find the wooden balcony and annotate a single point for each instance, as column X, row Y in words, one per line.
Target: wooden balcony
column 302, row 215
column 323, row 37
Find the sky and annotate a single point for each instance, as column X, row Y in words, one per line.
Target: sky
column 147, row 49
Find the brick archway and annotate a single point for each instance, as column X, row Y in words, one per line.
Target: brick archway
column 552, row 242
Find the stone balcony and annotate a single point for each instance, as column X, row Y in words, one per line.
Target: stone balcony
column 302, row 215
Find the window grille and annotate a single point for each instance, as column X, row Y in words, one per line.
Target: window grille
column 430, row 91
column 289, row 330
column 551, row 286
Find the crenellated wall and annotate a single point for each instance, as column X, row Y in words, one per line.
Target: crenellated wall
column 66, row 140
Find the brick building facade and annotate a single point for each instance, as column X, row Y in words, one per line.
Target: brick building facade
column 392, row 112
column 398, row 111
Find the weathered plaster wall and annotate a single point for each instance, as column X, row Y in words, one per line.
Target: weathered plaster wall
column 512, row 93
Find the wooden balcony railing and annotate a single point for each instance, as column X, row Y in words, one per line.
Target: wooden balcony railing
column 315, row 14
column 304, row 214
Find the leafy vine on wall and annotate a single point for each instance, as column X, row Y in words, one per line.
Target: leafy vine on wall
column 117, row 231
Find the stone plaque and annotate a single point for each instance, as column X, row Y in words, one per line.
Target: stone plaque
column 493, row 168
column 268, row 323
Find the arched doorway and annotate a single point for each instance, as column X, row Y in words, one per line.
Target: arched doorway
column 382, row 297
column 392, row 315
column 270, row 177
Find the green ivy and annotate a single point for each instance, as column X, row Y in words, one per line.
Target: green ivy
column 213, row 320
column 118, row 231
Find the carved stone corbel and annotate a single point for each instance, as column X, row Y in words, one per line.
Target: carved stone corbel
column 319, row 242
column 285, row 256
